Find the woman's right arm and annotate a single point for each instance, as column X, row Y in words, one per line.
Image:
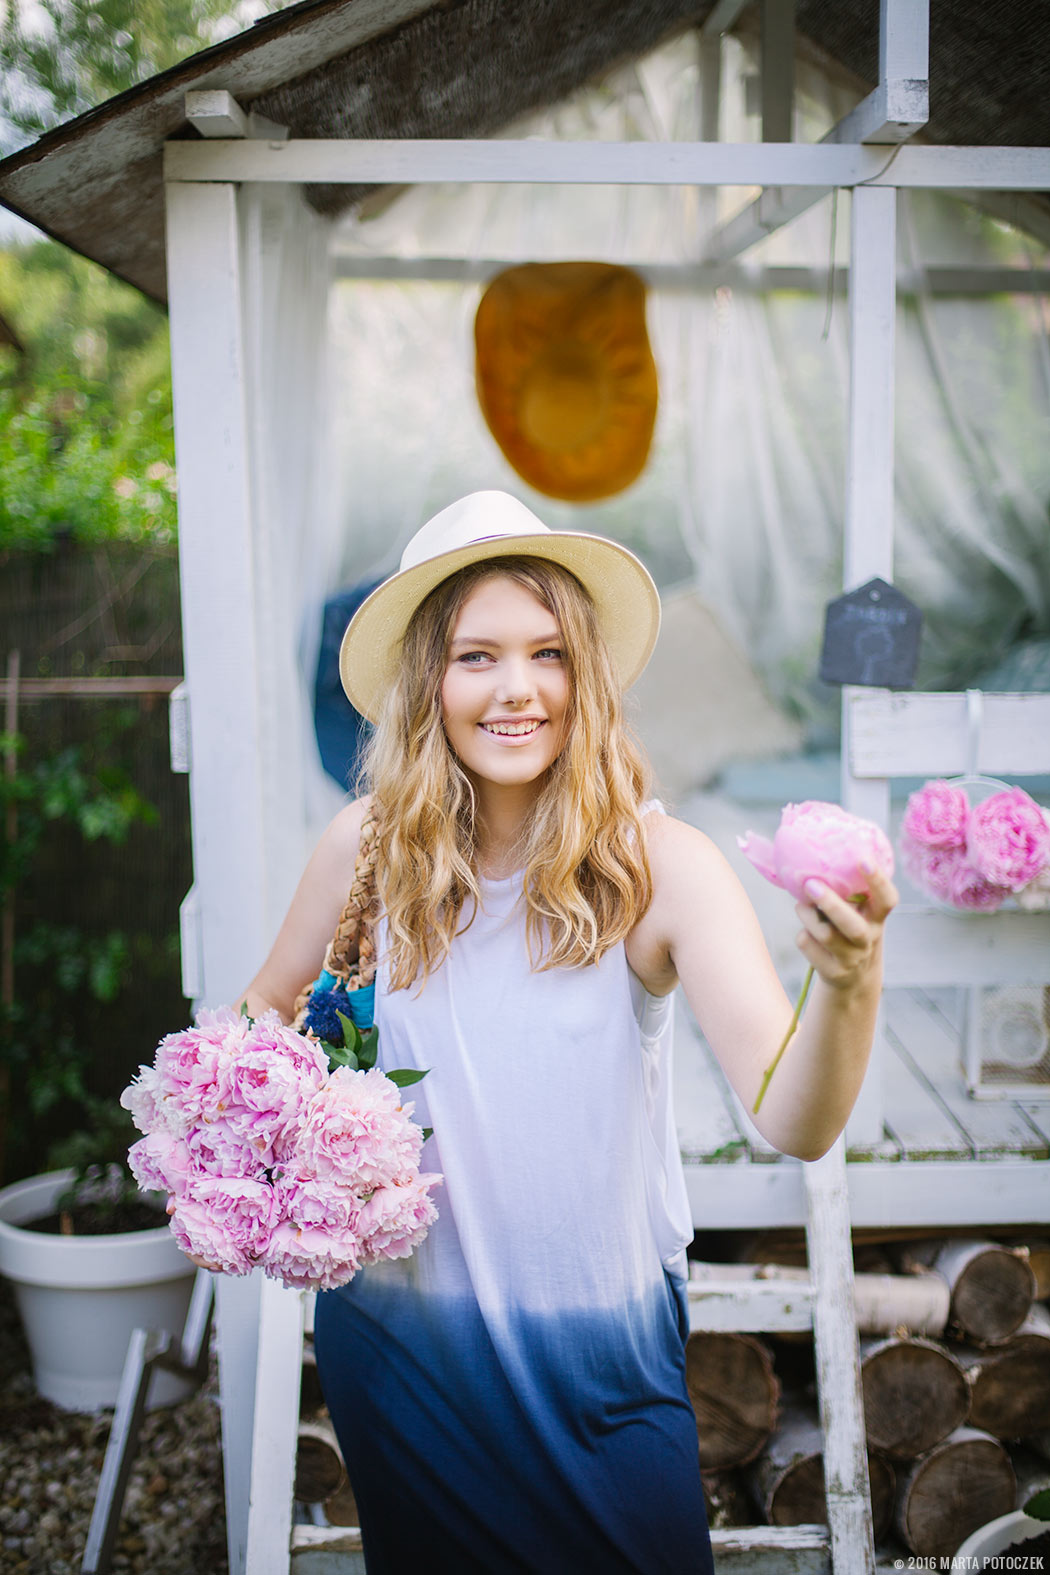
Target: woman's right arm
column 297, row 954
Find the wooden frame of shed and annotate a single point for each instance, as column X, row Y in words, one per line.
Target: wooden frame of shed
column 242, row 799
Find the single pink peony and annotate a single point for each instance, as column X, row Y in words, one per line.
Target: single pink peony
column 937, row 816
column 933, row 870
column 311, row 1259
column 228, row 1220
column 396, row 1219
column 310, row 1204
column 356, row 1132
column 821, row 841
column 161, row 1162
column 1008, row 840
column 259, row 1093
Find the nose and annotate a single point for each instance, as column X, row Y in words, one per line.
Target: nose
column 515, row 685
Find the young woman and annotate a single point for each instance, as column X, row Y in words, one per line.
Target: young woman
column 512, row 1397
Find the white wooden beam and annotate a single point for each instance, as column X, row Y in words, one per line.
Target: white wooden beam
column 868, row 542
column 905, row 734
column 770, row 211
column 607, row 163
column 965, row 280
column 929, row 1193
column 276, row 1423
column 777, row 50
column 220, row 642
column 893, row 112
column 900, row 105
column 926, row 948
column 215, row 113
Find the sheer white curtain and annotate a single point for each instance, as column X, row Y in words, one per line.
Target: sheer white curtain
column 285, row 247
column 743, row 493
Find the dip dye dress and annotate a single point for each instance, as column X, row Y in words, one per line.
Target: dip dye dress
column 512, row 1397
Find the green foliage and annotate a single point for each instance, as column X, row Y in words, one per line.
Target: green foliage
column 86, row 441
column 58, row 58
column 60, row 970
column 97, row 1153
column 1038, row 1506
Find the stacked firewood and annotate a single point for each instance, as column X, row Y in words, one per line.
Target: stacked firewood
column 955, row 1370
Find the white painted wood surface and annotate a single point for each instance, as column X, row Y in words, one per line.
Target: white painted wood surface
column 829, row 1252
column 772, row 1550
column 906, row 734
column 275, row 1429
column 608, row 163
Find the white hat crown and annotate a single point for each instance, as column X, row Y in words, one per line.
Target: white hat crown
column 480, row 516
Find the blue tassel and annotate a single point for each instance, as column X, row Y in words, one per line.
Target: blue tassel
column 327, row 1001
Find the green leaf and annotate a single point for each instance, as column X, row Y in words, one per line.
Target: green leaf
column 368, row 1049
column 405, row 1076
column 351, row 1033
column 1038, row 1506
column 427, row 1132
column 339, row 1055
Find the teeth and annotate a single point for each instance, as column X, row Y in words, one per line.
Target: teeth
column 512, row 729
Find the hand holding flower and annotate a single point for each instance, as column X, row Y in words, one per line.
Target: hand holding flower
column 839, row 867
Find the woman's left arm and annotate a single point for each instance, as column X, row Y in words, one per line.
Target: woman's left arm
column 702, row 930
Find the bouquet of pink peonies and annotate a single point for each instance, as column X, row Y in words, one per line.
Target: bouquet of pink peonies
column 975, row 856
column 272, row 1159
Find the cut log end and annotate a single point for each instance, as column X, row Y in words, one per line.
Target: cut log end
column 961, row 1484
column 915, row 1394
column 734, row 1391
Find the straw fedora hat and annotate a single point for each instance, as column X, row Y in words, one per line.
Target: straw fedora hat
column 495, row 525
column 565, row 376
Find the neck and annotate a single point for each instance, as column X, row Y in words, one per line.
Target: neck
column 503, row 814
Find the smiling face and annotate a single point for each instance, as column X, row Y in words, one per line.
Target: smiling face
column 505, row 694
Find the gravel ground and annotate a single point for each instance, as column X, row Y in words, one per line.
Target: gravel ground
column 173, row 1522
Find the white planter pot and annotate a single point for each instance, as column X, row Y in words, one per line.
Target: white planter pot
column 80, row 1297
column 997, row 1535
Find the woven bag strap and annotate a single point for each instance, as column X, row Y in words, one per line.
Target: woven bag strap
column 354, row 923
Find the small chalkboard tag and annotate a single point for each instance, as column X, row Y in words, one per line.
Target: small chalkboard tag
column 871, row 636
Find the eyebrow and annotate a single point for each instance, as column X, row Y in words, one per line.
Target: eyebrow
column 474, row 641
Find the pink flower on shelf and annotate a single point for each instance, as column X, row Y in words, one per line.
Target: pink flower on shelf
column 932, row 869
column 822, row 841
column 970, row 890
column 312, row 1259
column 355, row 1129
column 1008, row 840
column 937, row 816
column 395, row 1219
column 225, row 1220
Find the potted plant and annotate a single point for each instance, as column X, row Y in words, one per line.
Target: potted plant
column 1024, row 1532
column 90, row 1259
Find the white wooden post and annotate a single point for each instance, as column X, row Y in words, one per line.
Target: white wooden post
column 220, row 647
column 868, row 544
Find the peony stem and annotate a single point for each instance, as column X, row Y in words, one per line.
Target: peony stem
column 771, row 1068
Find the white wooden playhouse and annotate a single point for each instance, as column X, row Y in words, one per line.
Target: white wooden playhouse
column 246, row 177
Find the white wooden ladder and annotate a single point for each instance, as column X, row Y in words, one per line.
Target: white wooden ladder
column 845, row 1545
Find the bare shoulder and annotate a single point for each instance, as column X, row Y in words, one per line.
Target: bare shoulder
column 696, row 893
column 679, row 853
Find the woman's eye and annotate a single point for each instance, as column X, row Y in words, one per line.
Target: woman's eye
column 550, row 654
column 472, row 658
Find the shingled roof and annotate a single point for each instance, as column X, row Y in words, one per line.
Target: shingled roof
column 468, row 68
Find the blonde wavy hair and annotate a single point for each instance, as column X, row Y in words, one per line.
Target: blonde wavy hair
column 586, row 874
